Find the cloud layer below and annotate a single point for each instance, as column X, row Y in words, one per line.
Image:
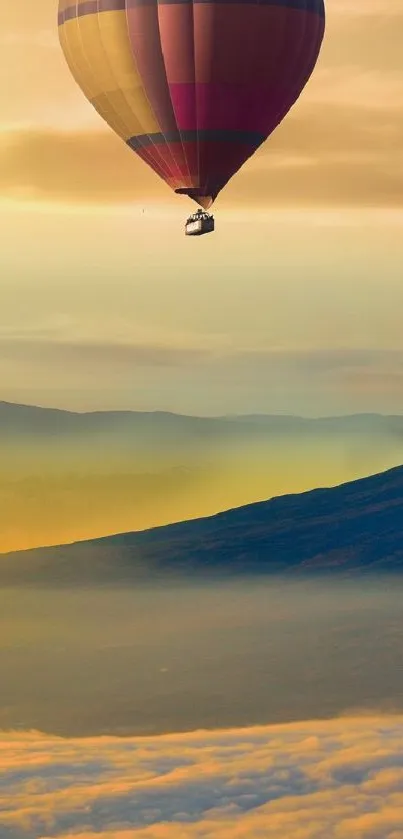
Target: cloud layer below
column 339, row 779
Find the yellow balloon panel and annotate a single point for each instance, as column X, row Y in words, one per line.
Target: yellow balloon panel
column 98, row 52
column 115, row 39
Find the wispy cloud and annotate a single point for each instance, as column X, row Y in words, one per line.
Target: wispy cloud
column 98, row 352
column 338, row 779
column 316, row 360
column 356, row 379
column 325, row 154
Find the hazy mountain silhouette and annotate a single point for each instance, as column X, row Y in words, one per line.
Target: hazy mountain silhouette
column 31, row 420
column 69, row 476
column 355, row 527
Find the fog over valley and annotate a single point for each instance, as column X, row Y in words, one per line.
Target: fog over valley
column 158, row 659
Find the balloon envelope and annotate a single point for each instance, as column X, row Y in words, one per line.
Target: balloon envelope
column 194, row 87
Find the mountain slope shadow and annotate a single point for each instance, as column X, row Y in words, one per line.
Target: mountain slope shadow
column 350, row 528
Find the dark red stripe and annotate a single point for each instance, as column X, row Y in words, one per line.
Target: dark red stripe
column 233, row 106
column 220, row 136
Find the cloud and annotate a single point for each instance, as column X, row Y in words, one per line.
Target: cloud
column 315, row 360
column 180, row 375
column 318, row 361
column 339, row 779
column 44, row 351
column 324, row 154
column 360, row 374
column 72, row 166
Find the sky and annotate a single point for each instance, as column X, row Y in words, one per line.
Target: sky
column 293, row 304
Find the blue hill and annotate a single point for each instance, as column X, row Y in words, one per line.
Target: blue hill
column 353, row 528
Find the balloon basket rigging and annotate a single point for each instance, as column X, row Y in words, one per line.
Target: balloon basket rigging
column 199, row 223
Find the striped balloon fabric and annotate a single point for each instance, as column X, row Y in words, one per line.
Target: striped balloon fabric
column 194, row 87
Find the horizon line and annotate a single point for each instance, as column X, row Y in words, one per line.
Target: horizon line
column 228, row 416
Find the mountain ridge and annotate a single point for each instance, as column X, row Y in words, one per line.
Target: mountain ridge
column 25, row 407
column 18, row 420
column 353, row 527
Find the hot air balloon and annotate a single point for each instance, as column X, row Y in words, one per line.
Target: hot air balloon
column 194, row 87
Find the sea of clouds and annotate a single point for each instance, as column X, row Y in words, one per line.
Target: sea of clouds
column 335, row 779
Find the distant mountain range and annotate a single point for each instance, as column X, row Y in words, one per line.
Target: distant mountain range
column 351, row 528
column 35, row 421
column 66, row 476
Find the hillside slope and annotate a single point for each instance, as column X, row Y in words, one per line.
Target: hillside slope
column 353, row 527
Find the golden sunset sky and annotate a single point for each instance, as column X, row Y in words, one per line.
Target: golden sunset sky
column 293, row 305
